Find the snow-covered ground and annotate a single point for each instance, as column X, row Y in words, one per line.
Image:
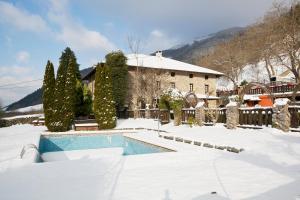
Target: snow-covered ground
column 37, row 107
column 23, row 116
column 269, row 168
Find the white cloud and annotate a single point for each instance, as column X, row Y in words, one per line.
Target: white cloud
column 159, row 40
column 23, row 57
column 21, row 19
column 74, row 34
column 16, row 74
column 80, row 38
column 157, row 33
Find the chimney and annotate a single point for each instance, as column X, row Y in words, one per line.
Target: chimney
column 158, row 53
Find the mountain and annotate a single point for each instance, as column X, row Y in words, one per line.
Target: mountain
column 35, row 98
column 29, row 100
column 201, row 46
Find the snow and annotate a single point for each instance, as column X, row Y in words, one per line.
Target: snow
column 160, row 62
column 37, row 107
column 231, row 103
column 23, row 116
column 12, row 140
column 200, row 104
column 252, row 97
column 257, row 73
column 267, row 169
column 281, row 101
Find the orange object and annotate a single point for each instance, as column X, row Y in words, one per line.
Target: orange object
column 266, row 101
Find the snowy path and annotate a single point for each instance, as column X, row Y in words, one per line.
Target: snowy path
column 269, row 168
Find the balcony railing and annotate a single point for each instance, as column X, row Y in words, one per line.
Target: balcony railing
column 274, row 88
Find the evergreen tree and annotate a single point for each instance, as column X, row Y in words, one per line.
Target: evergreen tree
column 104, row 105
column 67, row 55
column 84, row 100
column 1, row 110
column 117, row 63
column 70, row 95
column 59, row 94
column 48, row 91
column 87, row 107
column 60, row 88
column 79, row 108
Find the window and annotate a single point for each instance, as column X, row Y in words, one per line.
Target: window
column 191, row 87
column 172, row 85
column 158, row 85
column 206, row 89
column 191, row 75
column 206, row 77
column 172, row 74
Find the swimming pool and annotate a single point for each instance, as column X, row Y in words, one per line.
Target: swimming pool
column 82, row 142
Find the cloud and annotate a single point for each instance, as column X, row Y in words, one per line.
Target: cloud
column 23, row 57
column 75, row 34
column 16, row 74
column 21, row 19
column 184, row 19
column 159, row 40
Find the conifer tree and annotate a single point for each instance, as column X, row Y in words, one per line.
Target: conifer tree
column 70, row 94
column 61, row 124
column 59, row 94
column 104, row 105
column 48, row 91
column 117, row 63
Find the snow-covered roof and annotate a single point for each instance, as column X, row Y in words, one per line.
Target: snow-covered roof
column 160, row 62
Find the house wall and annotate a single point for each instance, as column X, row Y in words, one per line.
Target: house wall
column 181, row 79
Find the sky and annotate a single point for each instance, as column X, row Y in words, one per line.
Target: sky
column 34, row 31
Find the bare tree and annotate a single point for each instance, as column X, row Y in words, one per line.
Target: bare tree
column 229, row 58
column 286, row 22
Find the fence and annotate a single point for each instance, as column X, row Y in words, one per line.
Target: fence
column 164, row 115
column 274, row 88
column 247, row 116
column 255, row 116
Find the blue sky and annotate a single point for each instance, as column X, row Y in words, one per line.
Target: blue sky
column 33, row 31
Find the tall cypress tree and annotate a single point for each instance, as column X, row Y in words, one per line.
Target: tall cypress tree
column 48, row 91
column 60, row 88
column 59, row 94
column 117, row 63
column 70, row 94
column 104, row 105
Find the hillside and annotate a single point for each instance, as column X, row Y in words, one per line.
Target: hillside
column 190, row 52
column 29, row 100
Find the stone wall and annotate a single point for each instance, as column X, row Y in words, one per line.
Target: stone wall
column 232, row 115
column 200, row 114
column 281, row 118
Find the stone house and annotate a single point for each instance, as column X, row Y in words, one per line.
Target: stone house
column 150, row 75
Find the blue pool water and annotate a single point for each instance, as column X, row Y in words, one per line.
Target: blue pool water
column 75, row 142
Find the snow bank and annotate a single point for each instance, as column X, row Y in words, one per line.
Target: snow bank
column 281, row 101
column 81, row 154
column 37, row 107
column 231, row 103
column 23, row 116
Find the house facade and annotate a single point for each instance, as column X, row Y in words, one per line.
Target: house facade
column 149, row 76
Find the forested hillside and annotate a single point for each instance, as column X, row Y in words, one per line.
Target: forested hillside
column 275, row 40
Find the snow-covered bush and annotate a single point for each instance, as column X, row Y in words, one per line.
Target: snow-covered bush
column 172, row 99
